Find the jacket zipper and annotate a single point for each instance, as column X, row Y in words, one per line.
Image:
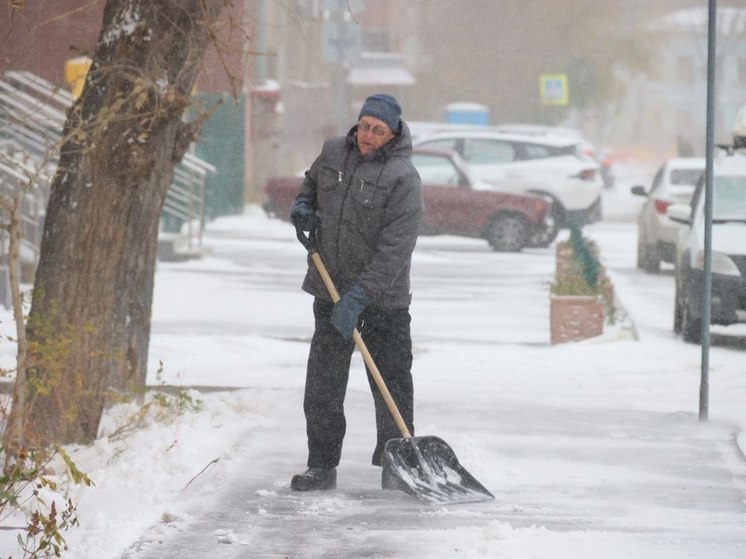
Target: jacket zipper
column 344, row 200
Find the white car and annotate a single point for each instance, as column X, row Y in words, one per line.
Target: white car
column 550, row 165
column 542, row 130
column 728, row 305
column 673, row 183
column 601, row 156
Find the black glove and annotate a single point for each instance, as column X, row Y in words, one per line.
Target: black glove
column 303, row 216
column 347, row 310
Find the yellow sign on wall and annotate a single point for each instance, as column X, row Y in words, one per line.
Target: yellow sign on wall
column 76, row 70
column 553, row 89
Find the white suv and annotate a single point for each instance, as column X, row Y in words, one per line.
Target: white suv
column 728, row 304
column 552, row 166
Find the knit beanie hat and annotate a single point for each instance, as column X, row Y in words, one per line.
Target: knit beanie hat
column 383, row 107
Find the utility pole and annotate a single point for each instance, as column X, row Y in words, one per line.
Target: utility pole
column 704, row 386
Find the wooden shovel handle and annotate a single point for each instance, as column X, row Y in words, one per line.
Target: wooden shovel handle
column 367, row 357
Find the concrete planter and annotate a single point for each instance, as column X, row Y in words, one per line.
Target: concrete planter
column 575, row 317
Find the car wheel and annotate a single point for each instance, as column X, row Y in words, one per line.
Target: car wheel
column 691, row 327
column 507, row 233
column 651, row 261
column 548, row 230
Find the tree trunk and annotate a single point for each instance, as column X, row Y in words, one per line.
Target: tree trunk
column 89, row 323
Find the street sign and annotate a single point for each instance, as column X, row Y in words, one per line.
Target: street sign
column 553, row 89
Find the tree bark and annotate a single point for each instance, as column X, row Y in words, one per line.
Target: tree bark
column 89, row 324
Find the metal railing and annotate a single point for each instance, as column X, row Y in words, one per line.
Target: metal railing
column 32, row 117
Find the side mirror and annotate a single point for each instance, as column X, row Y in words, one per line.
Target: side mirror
column 680, row 213
column 638, row 190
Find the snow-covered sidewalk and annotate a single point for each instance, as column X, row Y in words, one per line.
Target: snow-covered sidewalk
column 591, row 449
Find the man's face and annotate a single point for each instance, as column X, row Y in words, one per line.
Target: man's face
column 372, row 134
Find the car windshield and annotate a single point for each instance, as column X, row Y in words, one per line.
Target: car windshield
column 478, row 151
column 729, row 202
column 685, row 176
column 541, row 151
column 436, row 169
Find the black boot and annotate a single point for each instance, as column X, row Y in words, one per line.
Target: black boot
column 315, row 479
column 389, row 480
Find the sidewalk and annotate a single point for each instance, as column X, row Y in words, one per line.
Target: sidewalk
column 646, row 485
column 592, row 450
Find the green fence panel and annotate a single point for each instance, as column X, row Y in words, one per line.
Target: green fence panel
column 221, row 143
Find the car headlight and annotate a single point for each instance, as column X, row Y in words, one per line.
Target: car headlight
column 721, row 264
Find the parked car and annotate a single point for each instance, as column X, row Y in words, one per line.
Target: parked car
column 673, row 183
column 458, row 204
column 601, row 156
column 419, row 129
column 455, row 203
column 549, row 165
column 728, row 304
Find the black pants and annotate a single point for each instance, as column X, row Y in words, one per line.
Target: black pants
column 386, row 333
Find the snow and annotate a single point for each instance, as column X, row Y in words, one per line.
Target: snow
column 129, row 19
column 592, row 449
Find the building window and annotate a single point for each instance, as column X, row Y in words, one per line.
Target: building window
column 685, row 69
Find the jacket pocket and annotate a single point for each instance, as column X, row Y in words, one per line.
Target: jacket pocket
column 329, row 178
column 365, row 193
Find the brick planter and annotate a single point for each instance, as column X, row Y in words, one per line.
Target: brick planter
column 575, row 317
column 563, row 258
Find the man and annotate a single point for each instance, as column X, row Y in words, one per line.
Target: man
column 361, row 201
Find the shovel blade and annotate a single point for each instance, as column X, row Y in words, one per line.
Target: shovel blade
column 427, row 468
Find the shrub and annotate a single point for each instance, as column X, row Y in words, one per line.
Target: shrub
column 579, row 271
column 28, row 488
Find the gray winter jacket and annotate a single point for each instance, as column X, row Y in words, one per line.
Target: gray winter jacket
column 370, row 209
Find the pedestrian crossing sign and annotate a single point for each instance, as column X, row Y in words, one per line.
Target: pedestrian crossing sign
column 553, row 89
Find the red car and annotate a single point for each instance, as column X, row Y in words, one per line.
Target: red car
column 455, row 203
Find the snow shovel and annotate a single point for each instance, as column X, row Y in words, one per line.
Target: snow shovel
column 424, row 467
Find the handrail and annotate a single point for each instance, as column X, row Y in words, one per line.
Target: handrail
column 32, row 118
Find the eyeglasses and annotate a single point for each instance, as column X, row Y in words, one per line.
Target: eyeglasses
column 376, row 130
